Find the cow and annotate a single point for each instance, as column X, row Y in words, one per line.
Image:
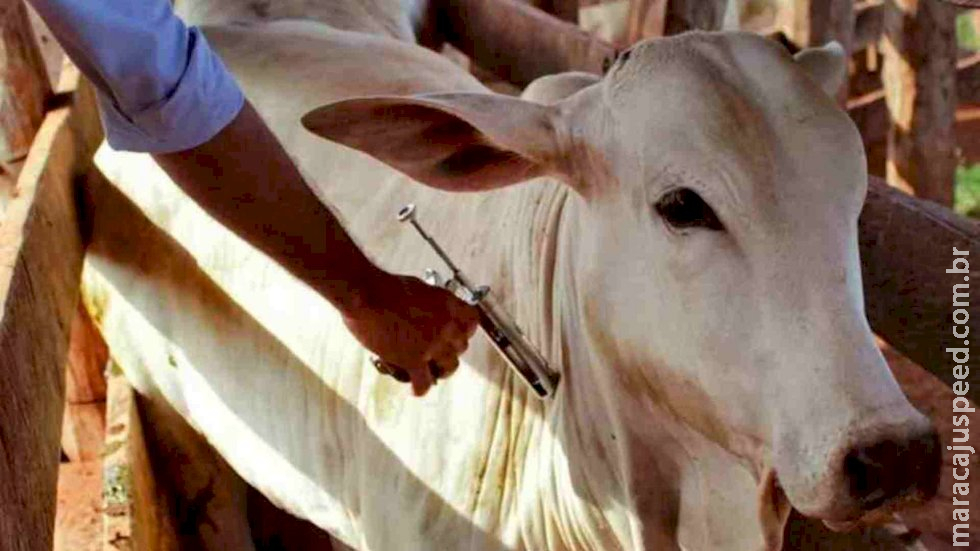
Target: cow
column 678, row 237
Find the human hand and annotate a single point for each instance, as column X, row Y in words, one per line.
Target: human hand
column 418, row 331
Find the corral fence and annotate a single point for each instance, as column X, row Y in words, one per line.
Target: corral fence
column 52, row 192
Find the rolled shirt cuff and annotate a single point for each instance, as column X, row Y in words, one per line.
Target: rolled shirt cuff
column 205, row 100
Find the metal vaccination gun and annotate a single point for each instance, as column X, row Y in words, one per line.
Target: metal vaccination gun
column 499, row 326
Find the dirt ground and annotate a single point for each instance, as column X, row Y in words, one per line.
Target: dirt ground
column 78, row 523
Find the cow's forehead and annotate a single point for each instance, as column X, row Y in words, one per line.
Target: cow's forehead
column 734, row 104
column 740, row 64
column 728, row 90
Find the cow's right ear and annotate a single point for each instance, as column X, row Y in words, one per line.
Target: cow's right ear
column 455, row 142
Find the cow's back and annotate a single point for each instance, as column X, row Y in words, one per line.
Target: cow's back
column 397, row 19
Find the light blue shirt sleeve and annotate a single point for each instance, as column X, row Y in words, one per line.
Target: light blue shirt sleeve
column 161, row 86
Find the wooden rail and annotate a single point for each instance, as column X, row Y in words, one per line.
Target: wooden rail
column 519, row 42
column 41, row 250
column 83, row 431
column 906, row 247
column 24, row 85
column 906, row 243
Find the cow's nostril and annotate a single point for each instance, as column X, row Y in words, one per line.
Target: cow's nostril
column 894, row 467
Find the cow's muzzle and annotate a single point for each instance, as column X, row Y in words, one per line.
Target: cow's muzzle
column 895, row 468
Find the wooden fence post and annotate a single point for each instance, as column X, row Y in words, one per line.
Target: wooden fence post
column 24, row 84
column 41, row 250
column 647, row 18
column 816, row 22
column 83, row 431
column 919, row 75
column 685, row 15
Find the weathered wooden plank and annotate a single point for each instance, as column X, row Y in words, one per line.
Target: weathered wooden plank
column 609, row 21
column 906, row 247
column 685, row 15
column 919, row 77
column 83, row 424
column 968, row 80
column 83, row 428
column 518, row 42
column 87, row 357
column 40, row 260
column 870, row 113
column 134, row 511
column 647, row 19
column 83, row 431
column 24, row 85
column 42, row 254
column 868, row 25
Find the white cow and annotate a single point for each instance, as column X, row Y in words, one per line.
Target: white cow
column 678, row 237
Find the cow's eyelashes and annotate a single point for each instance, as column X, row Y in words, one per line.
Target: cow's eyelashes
column 618, row 61
column 625, row 56
column 683, row 208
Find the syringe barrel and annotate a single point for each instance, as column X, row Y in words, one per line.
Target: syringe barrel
column 515, row 347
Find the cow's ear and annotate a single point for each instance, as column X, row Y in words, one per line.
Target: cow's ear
column 827, row 65
column 455, row 142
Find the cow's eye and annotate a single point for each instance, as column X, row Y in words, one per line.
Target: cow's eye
column 683, row 208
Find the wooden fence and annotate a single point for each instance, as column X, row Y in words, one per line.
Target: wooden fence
column 905, row 242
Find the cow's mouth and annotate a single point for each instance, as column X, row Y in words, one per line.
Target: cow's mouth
column 877, row 517
column 874, row 481
column 843, row 525
column 846, row 523
column 880, row 511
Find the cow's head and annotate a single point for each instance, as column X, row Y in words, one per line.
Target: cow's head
column 716, row 230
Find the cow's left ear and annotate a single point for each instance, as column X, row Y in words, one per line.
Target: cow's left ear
column 455, row 142
column 827, row 65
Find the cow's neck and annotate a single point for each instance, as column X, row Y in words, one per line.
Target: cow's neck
column 616, row 466
column 578, row 459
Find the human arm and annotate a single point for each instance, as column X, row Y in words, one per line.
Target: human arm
column 244, row 178
column 162, row 90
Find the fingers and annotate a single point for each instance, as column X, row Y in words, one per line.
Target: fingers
column 422, row 335
column 435, row 371
column 467, row 319
column 388, row 368
column 452, row 341
column 446, row 357
column 421, row 380
column 444, row 367
column 400, row 375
